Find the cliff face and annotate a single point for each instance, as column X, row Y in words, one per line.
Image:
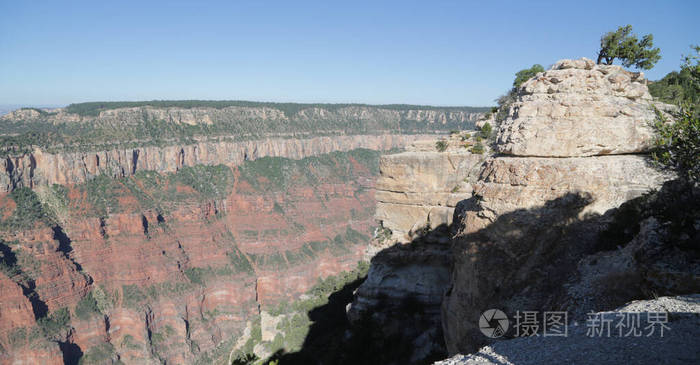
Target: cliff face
column 74, row 144
column 114, row 126
column 169, row 267
column 534, row 218
column 40, row 168
column 420, row 188
column 417, row 192
column 578, row 108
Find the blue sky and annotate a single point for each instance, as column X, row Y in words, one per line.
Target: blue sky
column 427, row 52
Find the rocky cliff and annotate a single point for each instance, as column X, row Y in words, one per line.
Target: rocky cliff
column 74, row 144
column 168, row 232
column 172, row 267
column 544, row 215
column 419, row 189
column 119, row 125
column 417, row 192
column 39, row 168
column 533, row 219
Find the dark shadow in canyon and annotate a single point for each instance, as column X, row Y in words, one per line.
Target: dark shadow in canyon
column 333, row 339
column 71, row 353
column 529, row 253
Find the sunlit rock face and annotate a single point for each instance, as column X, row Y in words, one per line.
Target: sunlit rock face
column 578, row 108
column 571, row 146
column 420, row 189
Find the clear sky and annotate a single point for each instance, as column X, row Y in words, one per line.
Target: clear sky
column 414, row 52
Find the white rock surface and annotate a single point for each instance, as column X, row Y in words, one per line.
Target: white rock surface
column 578, row 108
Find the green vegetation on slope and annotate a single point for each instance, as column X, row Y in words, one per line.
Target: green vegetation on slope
column 152, row 190
column 141, row 127
column 28, row 211
column 680, row 87
column 678, row 143
column 278, row 173
column 296, row 323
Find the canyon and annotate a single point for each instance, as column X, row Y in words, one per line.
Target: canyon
column 235, row 234
column 171, row 247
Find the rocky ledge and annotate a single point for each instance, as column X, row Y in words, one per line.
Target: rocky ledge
column 419, row 190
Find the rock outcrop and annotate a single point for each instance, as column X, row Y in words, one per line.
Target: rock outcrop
column 578, row 108
column 532, row 219
column 402, row 294
column 419, row 190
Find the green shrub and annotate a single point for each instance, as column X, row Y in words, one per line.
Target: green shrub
column 486, row 131
column 680, row 87
column 678, row 144
column 441, row 145
column 132, row 296
column 195, row 275
column 87, row 307
column 526, row 74
column 28, row 211
column 477, row 149
column 52, row 325
column 99, row 354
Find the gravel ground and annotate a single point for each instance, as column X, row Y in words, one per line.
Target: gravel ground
column 680, row 343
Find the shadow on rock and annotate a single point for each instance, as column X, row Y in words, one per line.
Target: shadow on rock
column 421, row 301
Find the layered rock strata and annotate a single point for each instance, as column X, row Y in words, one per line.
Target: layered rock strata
column 42, row 168
column 533, row 218
column 578, row 108
column 155, row 268
column 419, row 190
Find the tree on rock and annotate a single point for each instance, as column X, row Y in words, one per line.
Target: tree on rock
column 526, row 74
column 625, row 46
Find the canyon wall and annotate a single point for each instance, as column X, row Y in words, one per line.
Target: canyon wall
column 39, row 168
column 172, row 267
column 167, row 232
column 417, row 192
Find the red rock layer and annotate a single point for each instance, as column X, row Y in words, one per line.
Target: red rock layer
column 177, row 282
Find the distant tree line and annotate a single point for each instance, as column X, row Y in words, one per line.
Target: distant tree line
column 289, row 109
